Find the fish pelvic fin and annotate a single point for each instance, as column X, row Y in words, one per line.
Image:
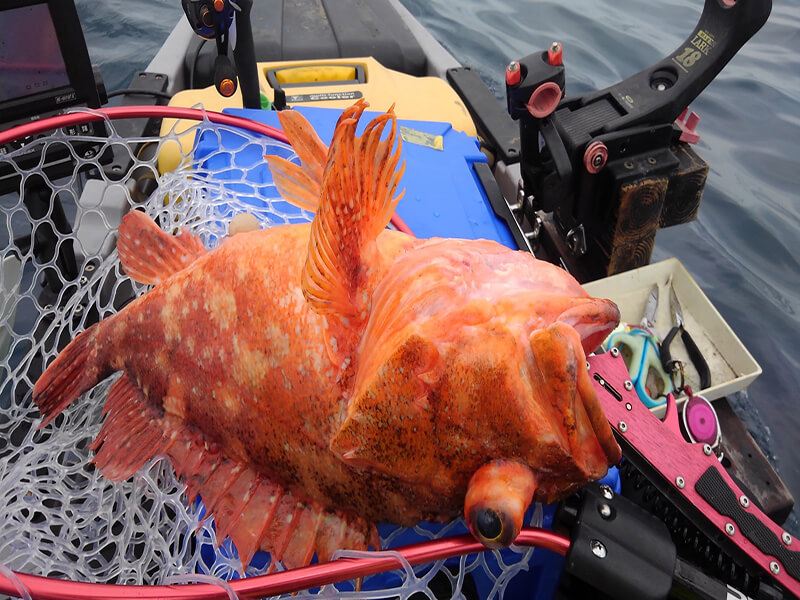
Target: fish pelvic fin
column 356, row 202
column 150, row 255
column 300, row 185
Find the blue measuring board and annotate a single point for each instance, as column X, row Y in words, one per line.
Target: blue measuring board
column 443, row 197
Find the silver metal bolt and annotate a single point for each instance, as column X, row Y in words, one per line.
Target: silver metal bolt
column 730, row 529
column 605, row 511
column 628, row 406
column 598, row 549
column 555, row 47
column 608, row 493
column 744, row 501
column 614, row 352
column 787, row 539
column 623, row 426
column 680, row 482
column 707, row 450
column 48, row 307
column 83, row 280
column 774, row 567
column 513, row 66
column 628, row 385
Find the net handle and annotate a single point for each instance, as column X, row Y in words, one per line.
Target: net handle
column 283, row 582
column 137, row 112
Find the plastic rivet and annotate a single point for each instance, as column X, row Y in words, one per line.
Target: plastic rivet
column 787, row 539
column 679, row 481
column 623, row 426
column 628, row 385
column 608, row 493
column 730, row 529
column 615, row 352
column 774, row 567
column 89, row 268
column 744, row 501
column 598, row 549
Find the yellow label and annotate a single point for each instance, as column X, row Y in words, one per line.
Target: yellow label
column 420, row 138
column 314, row 74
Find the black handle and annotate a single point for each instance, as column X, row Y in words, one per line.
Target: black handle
column 666, row 358
column 661, row 92
column 245, row 56
column 697, row 359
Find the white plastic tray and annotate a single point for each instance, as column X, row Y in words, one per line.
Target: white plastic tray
column 732, row 367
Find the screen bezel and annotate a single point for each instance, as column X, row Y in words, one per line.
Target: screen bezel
column 81, row 90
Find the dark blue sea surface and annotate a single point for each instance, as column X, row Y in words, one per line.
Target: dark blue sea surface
column 744, row 248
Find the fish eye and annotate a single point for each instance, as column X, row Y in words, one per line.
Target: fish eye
column 488, row 524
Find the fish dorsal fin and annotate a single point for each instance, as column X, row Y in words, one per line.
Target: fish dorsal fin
column 150, row 255
column 300, row 185
column 356, row 203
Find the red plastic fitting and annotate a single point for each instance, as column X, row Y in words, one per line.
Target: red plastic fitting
column 555, row 54
column 513, row 73
column 595, row 157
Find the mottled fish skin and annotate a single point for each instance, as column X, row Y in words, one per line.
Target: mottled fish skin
column 368, row 373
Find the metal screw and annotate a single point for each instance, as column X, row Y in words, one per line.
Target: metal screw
column 614, row 352
column 730, row 529
column 661, row 87
column 608, row 493
column 79, row 309
column 83, row 280
column 787, row 539
column 744, row 501
column 623, row 426
column 628, row 406
column 513, row 66
column 598, row 549
column 605, row 510
column 555, row 47
column 707, row 450
column 89, row 153
column 628, row 385
column 774, row 567
column 680, row 482
column 48, row 306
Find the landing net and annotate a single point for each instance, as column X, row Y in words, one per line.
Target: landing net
column 60, row 273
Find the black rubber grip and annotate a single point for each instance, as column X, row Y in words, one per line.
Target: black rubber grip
column 697, row 359
column 714, row 489
column 666, row 358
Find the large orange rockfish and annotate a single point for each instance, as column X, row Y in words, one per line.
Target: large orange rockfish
column 311, row 380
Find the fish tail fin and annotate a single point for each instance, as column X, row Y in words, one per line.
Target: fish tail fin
column 300, row 185
column 150, row 255
column 73, row 372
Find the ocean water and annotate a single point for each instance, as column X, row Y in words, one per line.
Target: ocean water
column 743, row 250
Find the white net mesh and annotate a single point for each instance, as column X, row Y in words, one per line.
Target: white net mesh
column 60, row 272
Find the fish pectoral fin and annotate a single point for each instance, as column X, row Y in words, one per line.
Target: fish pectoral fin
column 150, row 255
column 390, row 424
column 356, row 202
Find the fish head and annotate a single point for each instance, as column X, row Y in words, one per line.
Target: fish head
column 474, row 353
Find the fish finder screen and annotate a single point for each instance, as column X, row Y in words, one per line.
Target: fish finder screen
column 30, row 57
